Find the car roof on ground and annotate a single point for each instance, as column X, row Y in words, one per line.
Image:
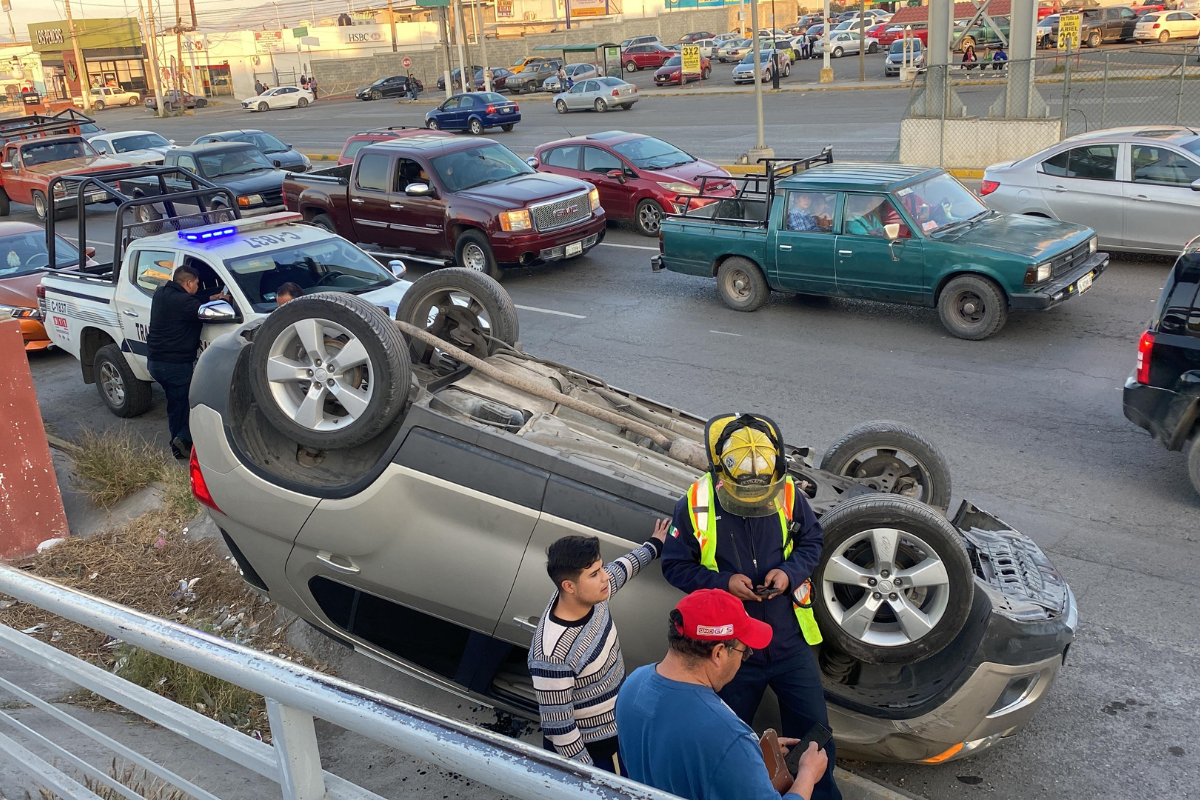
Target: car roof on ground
column 873, row 177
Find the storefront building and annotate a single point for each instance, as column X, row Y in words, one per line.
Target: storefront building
column 112, row 51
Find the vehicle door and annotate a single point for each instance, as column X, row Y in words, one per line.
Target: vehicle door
column 1160, row 207
column 442, row 530
column 1126, row 21
column 616, row 194
column 872, row 264
column 17, row 183
column 213, row 279
column 1189, row 25
column 370, row 201
column 1079, row 185
column 146, row 269
column 804, row 243
column 468, row 105
column 419, row 222
column 577, row 97
column 445, row 113
column 562, row 160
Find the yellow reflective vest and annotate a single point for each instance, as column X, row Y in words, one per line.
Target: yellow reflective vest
column 704, row 527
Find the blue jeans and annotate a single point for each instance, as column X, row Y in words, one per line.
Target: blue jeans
column 797, row 684
column 176, row 380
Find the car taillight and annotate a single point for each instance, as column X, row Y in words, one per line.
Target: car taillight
column 491, row 109
column 41, row 292
column 1155, row 25
column 516, row 107
column 199, row 487
column 615, row 94
column 986, row 187
column 1145, row 348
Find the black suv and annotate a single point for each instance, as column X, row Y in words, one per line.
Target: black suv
column 1163, row 394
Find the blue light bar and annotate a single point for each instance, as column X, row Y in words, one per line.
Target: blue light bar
column 202, row 235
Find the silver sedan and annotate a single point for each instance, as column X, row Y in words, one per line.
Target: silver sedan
column 1138, row 187
column 600, row 94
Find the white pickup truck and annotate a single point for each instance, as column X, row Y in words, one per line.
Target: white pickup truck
column 101, row 315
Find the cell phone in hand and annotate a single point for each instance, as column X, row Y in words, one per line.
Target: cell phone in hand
column 767, row 591
column 819, row 734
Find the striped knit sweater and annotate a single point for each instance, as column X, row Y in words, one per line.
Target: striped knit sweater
column 577, row 669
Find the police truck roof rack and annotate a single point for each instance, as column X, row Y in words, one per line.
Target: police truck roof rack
column 139, row 193
column 31, row 125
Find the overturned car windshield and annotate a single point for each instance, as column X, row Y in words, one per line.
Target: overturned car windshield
column 330, row 264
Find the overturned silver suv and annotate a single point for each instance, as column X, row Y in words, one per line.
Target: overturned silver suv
column 396, row 481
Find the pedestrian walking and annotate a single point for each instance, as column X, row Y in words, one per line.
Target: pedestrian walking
column 575, row 659
column 410, row 87
column 258, row 86
column 744, row 528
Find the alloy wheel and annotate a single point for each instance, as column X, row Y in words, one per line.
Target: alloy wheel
column 891, row 471
column 112, row 384
column 650, row 218
column 320, row 375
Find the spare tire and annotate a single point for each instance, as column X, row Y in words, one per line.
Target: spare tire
column 892, row 458
column 462, row 306
column 894, row 584
column 329, row 370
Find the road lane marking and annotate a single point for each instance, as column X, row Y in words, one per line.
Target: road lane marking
column 550, row 311
column 726, row 333
column 75, row 241
column 629, row 246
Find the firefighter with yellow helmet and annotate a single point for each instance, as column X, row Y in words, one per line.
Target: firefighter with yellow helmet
column 743, row 527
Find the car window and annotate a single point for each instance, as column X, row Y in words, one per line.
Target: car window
column 466, row 102
column 1127, row 13
column 1159, row 165
column 152, row 269
column 233, row 162
column 353, row 147
column 188, row 163
column 600, row 161
column 24, row 253
column 810, row 212
column 450, row 104
column 939, row 202
column 263, row 141
column 580, row 88
column 372, row 172
column 101, row 147
column 1097, row 162
column 409, row 171
column 1185, row 15
column 45, row 153
column 140, row 141
column 477, row 166
column 331, row 264
column 867, row 214
column 563, row 157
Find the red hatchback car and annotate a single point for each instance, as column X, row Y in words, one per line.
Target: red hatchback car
column 646, row 56
column 672, row 72
column 639, row 178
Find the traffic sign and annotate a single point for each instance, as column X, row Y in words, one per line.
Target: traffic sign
column 1068, row 31
column 691, row 59
column 407, row 62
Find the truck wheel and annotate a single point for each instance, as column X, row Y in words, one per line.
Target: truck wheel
column 894, row 582
column 134, row 102
column 972, row 307
column 648, row 217
column 892, row 458
column 1193, row 461
column 461, row 306
column 122, row 392
column 473, row 251
column 741, row 285
column 39, row 206
column 325, row 222
column 148, row 219
column 99, row 104
column 330, row 370
column 4, row 206
column 1093, row 39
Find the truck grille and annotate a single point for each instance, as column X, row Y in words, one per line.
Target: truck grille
column 272, row 198
column 1075, row 257
column 561, row 213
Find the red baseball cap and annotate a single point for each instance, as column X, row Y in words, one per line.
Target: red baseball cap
column 714, row 615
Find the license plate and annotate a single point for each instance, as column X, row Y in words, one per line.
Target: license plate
column 95, row 198
column 574, row 249
column 1084, row 283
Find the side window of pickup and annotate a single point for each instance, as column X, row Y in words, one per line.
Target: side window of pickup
column 867, row 214
column 152, row 268
column 409, row 171
column 810, row 212
column 188, row 163
column 372, row 172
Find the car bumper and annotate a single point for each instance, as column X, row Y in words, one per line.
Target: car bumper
column 1147, row 36
column 1061, row 290
column 1166, row 415
column 529, row 249
column 33, row 332
column 496, row 120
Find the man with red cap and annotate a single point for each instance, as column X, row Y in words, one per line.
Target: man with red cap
column 677, row 735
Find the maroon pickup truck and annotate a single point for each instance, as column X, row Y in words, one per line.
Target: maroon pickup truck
column 441, row 199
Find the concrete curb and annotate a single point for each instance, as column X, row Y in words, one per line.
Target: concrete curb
column 859, row 787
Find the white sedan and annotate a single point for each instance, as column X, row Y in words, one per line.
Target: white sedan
column 1163, row 26
column 279, row 97
column 139, row 148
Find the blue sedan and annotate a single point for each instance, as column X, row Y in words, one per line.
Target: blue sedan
column 474, row 112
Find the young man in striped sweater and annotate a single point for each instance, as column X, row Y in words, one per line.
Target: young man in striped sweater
column 575, row 659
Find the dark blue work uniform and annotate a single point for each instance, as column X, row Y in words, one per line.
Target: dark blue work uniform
column 753, row 546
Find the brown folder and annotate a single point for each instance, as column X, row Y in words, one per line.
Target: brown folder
column 777, row 769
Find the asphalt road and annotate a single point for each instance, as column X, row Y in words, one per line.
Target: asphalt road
column 1029, row 420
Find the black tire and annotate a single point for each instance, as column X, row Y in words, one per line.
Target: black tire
column 872, row 453
column 874, row 48
column 475, row 127
column 40, row 208
column 4, row 205
column 837, row 52
column 958, row 306
column 387, row 369
column 741, row 284
column 631, row 66
column 302, row 102
column 432, row 124
column 376, row 95
column 923, row 534
column 561, row 106
column 705, row 73
column 200, row 103
column 507, row 128
column 1164, row 37
column 647, row 218
column 600, row 105
column 324, row 221
column 478, row 260
column 148, row 219
column 99, row 104
column 262, row 106
column 134, row 102
column 122, row 392
column 427, row 304
column 1093, row 39
column 1192, row 451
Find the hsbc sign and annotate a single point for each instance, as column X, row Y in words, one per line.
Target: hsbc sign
column 50, row 36
column 366, row 37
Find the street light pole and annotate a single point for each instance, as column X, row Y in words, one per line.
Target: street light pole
column 481, row 38
column 862, row 41
column 760, row 149
column 85, row 91
column 826, row 69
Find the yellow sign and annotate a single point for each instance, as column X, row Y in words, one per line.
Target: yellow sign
column 691, row 59
column 1068, row 31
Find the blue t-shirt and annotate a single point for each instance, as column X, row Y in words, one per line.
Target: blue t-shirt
column 683, row 739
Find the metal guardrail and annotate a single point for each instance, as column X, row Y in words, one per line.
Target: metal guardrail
column 294, row 696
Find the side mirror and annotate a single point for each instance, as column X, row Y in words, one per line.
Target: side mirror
column 418, row 190
column 397, row 267
column 278, row 164
column 618, row 174
column 170, row 141
column 892, row 230
column 533, row 162
column 1195, row 184
column 6, row 165
column 89, row 251
column 217, row 311
column 288, row 145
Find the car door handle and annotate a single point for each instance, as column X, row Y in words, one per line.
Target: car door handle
column 528, row 623
column 845, row 252
column 785, row 247
column 357, row 200
column 396, row 206
column 1060, row 188
column 328, row 560
column 1140, row 197
column 129, row 312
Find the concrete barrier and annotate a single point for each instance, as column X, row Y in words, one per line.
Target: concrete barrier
column 973, row 143
column 31, row 509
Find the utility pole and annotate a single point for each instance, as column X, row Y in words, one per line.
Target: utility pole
column 179, row 53
column 458, row 38
column 862, row 41
column 155, row 75
column 85, row 90
column 760, row 149
column 826, row 69
column 11, row 29
column 391, row 22
column 444, row 35
column 482, row 39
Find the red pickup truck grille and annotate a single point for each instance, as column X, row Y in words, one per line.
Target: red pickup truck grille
column 561, row 213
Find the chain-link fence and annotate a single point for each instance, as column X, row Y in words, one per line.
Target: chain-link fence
column 1107, row 87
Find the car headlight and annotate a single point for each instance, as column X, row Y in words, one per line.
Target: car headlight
column 594, row 197
column 18, row 312
column 1037, row 274
column 1091, row 245
column 679, row 187
column 515, row 220
column 249, row 199
column 307, row 161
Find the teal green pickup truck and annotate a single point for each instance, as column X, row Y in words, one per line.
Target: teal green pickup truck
column 883, row 232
